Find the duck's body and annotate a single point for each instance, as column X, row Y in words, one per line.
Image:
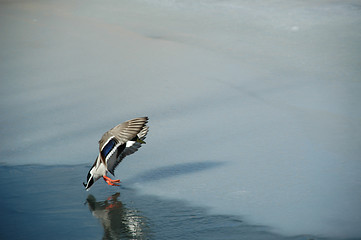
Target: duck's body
column 119, row 142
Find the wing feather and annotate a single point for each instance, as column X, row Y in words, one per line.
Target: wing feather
column 124, row 132
column 129, row 150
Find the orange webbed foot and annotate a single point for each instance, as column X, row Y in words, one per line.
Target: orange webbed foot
column 111, row 181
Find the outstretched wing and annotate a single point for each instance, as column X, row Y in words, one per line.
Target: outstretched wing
column 128, row 150
column 113, row 142
column 123, row 132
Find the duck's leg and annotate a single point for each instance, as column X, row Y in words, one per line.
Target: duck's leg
column 111, row 181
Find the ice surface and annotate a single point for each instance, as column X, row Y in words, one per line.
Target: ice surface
column 267, row 93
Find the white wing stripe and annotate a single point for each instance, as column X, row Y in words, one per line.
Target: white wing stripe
column 112, row 152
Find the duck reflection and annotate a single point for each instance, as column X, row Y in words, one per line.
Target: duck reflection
column 118, row 222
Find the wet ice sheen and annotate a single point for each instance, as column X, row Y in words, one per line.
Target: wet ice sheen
column 38, row 210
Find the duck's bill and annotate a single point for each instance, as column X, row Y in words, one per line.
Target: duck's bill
column 89, row 184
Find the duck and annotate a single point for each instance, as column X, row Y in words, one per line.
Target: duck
column 117, row 143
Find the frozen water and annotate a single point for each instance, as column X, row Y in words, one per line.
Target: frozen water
column 265, row 92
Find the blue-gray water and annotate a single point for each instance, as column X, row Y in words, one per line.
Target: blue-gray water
column 253, row 106
column 43, row 202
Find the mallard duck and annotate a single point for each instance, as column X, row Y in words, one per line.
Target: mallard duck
column 117, row 143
